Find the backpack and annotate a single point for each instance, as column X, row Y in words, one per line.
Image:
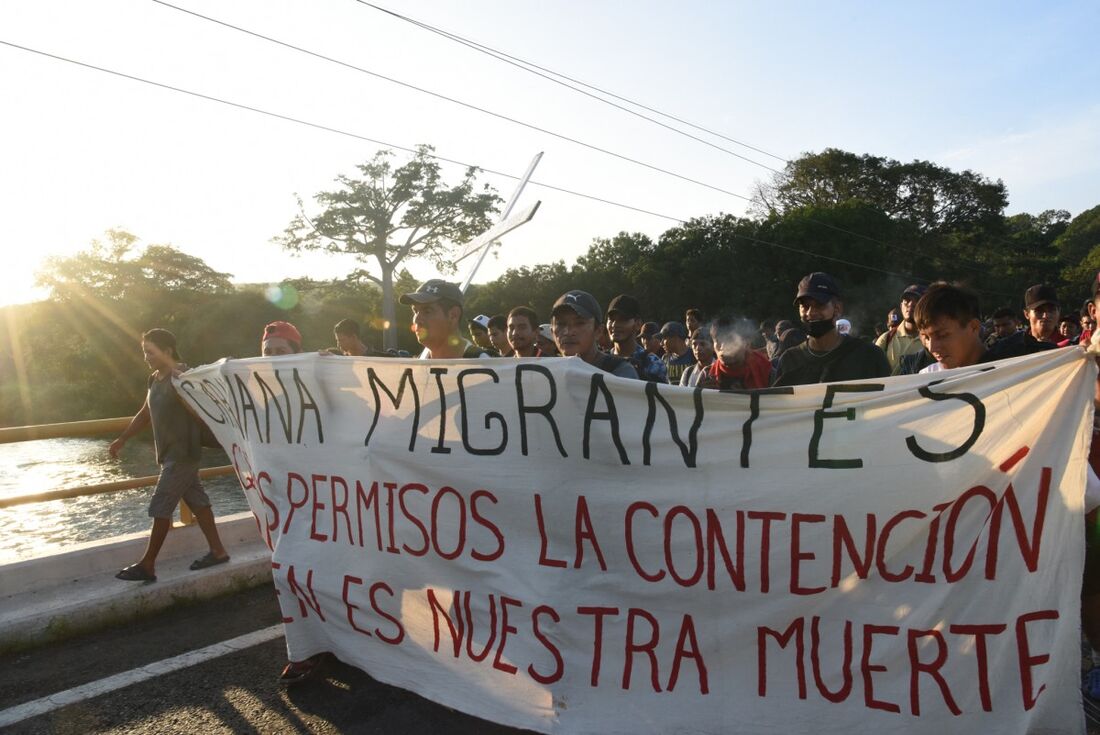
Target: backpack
column 610, row 363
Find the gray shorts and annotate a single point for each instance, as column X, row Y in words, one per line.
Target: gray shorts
column 178, row 481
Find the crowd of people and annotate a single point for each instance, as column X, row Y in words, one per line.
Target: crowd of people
column 933, row 328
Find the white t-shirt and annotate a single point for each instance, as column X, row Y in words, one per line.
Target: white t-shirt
column 933, row 368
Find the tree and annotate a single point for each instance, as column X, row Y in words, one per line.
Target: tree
column 390, row 215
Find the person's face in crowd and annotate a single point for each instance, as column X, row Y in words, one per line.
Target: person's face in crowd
column 952, row 343
column 480, row 337
column 521, row 333
column 908, row 303
column 1087, row 324
column 499, row 339
column 621, row 328
column 702, row 348
column 603, row 338
column 691, row 323
column 1068, row 329
column 653, row 344
column 729, row 347
column 274, row 346
column 547, row 346
column 574, row 334
column 156, row 358
column 434, row 324
column 347, row 343
column 673, row 345
column 1043, row 320
column 812, row 310
column 1004, row 327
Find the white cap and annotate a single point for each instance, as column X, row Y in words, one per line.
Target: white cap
column 481, row 320
column 544, row 331
column 843, row 326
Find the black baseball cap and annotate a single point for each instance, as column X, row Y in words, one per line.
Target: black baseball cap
column 819, row 286
column 581, row 302
column 434, row 290
column 674, row 329
column 1040, row 294
column 649, row 329
column 626, row 305
column 915, row 290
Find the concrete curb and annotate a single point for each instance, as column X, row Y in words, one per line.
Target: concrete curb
column 72, row 591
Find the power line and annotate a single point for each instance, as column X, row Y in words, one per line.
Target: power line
column 338, row 131
column 501, row 116
column 329, row 129
column 556, row 77
column 468, row 105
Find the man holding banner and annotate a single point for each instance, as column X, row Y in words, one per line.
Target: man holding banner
column 437, row 316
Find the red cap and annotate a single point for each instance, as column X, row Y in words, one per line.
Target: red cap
column 284, row 330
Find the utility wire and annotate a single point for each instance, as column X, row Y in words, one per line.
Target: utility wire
column 438, row 95
column 531, row 126
column 330, row 129
column 557, row 77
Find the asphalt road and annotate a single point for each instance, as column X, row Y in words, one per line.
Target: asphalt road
column 236, row 693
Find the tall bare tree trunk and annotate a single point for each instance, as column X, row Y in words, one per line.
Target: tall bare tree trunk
column 389, row 310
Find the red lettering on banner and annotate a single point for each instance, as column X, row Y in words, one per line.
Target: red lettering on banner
column 340, row 508
column 306, row 597
column 925, row 575
column 454, row 627
column 1029, row 548
column 647, row 647
column 630, row 553
column 716, row 539
column 1028, row 661
column 696, row 546
column 484, row 522
column 437, row 524
column 582, row 531
column 505, row 629
column 880, row 548
column 954, row 575
column 797, row 555
column 470, row 627
column 932, row 668
column 544, row 560
column 845, row 689
column 794, row 631
column 981, row 653
column 597, row 643
column 842, row 537
column 765, row 518
column 365, row 501
column 391, row 545
column 559, row 663
column 413, row 487
column 687, row 635
column 317, row 505
column 350, row 606
column 867, row 668
column 291, row 478
column 377, row 607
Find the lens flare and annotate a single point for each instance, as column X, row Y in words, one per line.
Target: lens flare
column 284, row 296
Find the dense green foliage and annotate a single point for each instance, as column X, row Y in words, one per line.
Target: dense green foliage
column 875, row 224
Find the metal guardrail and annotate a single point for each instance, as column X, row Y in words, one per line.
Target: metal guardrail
column 95, row 427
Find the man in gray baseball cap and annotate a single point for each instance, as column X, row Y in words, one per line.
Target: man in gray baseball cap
column 573, row 321
column 437, row 316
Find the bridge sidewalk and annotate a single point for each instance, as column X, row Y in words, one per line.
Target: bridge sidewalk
column 75, row 590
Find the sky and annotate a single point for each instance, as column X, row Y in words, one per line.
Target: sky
column 1008, row 89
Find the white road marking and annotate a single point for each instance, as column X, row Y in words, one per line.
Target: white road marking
column 52, row 702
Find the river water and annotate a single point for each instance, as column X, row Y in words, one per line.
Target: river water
column 50, row 464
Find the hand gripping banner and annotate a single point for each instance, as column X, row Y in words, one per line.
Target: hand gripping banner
column 547, row 546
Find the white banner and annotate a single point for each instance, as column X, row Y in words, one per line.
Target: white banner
column 547, row 546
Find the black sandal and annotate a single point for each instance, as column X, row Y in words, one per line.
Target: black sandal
column 136, row 573
column 208, row 561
